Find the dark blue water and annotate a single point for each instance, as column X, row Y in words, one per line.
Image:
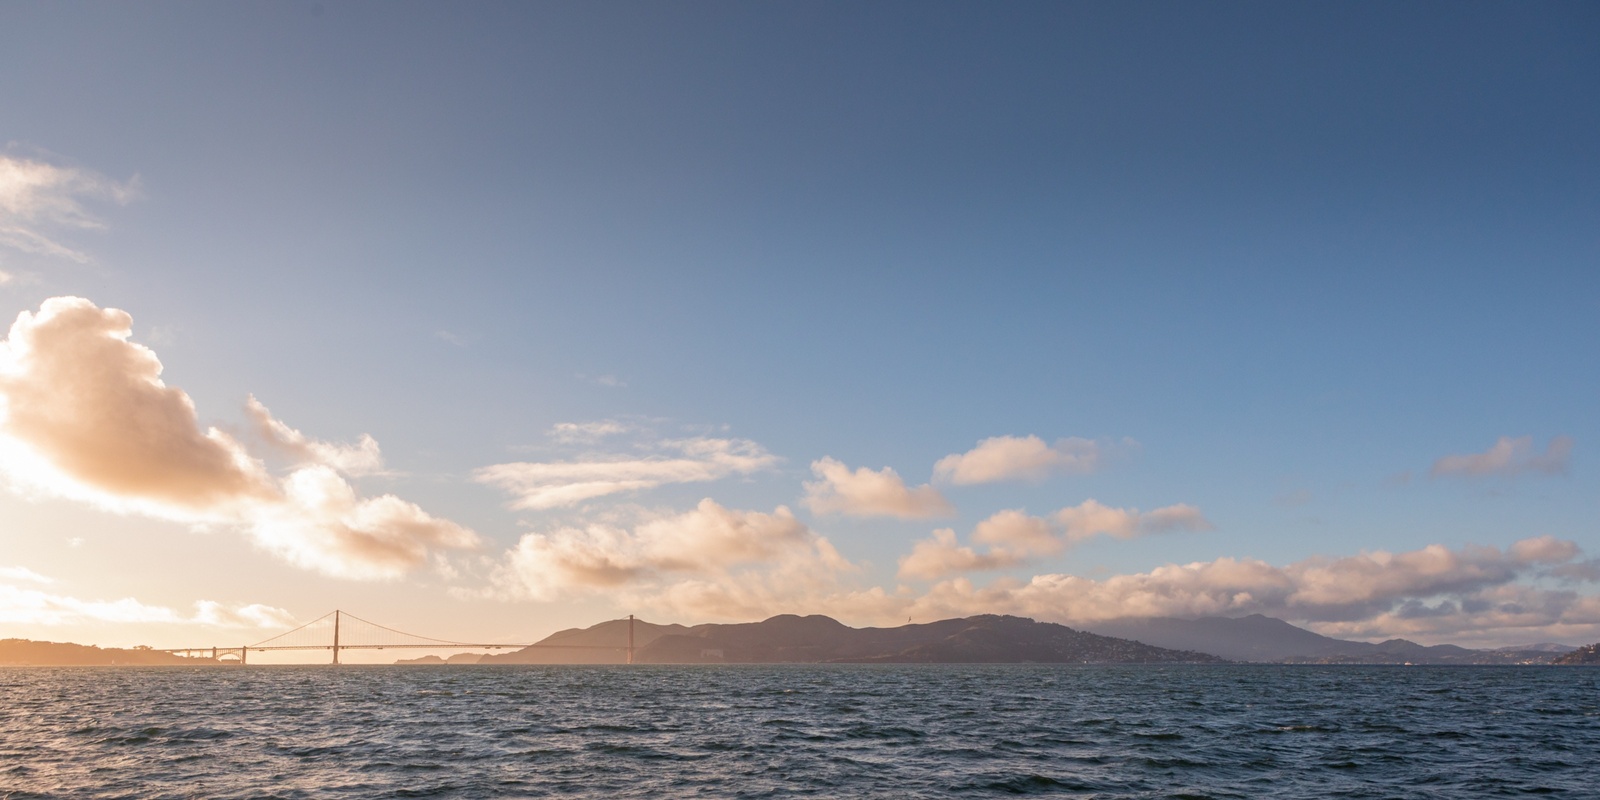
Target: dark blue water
column 784, row 731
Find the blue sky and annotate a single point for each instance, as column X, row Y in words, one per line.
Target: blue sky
column 1270, row 261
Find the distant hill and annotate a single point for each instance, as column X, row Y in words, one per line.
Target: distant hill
column 605, row 643
column 1252, row 638
column 1265, row 639
column 458, row 658
column 1544, row 647
column 25, row 652
column 817, row 639
column 1583, row 656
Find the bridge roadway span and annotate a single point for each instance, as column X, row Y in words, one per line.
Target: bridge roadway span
column 364, row 635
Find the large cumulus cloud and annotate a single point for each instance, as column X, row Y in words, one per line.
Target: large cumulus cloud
column 85, row 414
column 709, row 550
column 92, row 404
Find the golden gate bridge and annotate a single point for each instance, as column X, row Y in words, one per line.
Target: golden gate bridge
column 337, row 631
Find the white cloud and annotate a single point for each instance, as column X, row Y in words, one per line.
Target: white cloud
column 1010, row 458
column 20, row 606
column 322, row 525
column 714, row 536
column 570, row 432
column 1544, row 550
column 805, row 583
column 543, row 565
column 1018, row 532
column 870, row 493
column 92, row 408
column 1013, row 537
column 85, row 415
column 1508, row 457
column 22, row 574
column 362, row 458
column 709, row 540
column 540, row 485
column 253, row 615
column 1091, row 517
column 37, row 199
column 941, row 555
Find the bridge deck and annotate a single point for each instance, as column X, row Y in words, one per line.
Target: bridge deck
column 451, row 646
column 324, row 633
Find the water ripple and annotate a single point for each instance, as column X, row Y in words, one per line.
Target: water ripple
column 798, row 731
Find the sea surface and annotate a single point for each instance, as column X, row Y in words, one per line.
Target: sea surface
column 800, row 731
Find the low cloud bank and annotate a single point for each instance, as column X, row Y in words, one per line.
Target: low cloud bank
column 715, row 563
column 1014, row 538
column 85, row 415
column 1431, row 593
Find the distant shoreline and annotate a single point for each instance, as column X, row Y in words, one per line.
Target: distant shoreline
column 817, row 640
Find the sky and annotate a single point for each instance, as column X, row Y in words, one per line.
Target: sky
column 484, row 321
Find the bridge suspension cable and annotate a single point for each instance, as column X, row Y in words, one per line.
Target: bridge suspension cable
column 347, row 631
column 338, row 630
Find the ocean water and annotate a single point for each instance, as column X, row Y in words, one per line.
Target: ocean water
column 800, row 731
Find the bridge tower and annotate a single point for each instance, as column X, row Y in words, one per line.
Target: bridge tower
column 368, row 635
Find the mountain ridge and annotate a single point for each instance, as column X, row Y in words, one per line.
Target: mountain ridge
column 30, row 653
column 813, row 639
column 1262, row 639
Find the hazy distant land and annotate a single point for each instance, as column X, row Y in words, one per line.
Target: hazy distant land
column 817, row 639
column 25, row 652
column 992, row 639
column 1583, row 656
column 981, row 639
column 1258, row 638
